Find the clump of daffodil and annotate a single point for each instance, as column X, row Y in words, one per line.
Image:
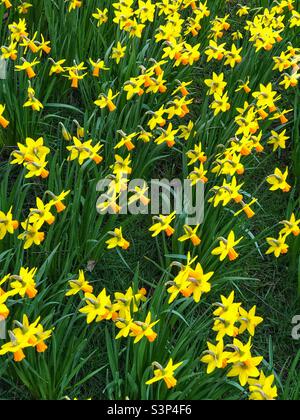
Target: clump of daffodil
column 122, row 309
column 24, row 336
column 32, row 156
column 82, row 151
column 189, row 281
column 38, row 217
column 231, row 321
column 262, row 388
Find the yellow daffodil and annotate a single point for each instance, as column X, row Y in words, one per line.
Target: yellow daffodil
column 7, row 224
column 139, row 330
column 98, row 308
column 101, row 16
column 163, row 224
column 278, row 140
column 166, row 374
column 227, row 247
column 79, row 284
column 278, row 181
column 190, row 234
column 249, row 321
column 216, row 84
column 278, row 246
column 117, row 240
column 245, row 370
column 28, row 67
column 24, row 282
column 291, row 226
column 263, row 388
column 104, row 101
column 97, row 66
column 118, row 52
column 31, row 235
column 215, row 357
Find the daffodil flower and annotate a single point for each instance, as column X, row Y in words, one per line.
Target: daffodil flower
column 278, row 181
column 139, row 330
column 215, row 357
column 220, row 103
column 245, row 370
column 249, row 321
column 166, row 374
column 31, row 235
column 190, row 234
column 126, row 140
column 198, row 175
column 7, row 224
column 74, row 4
column 196, row 155
column 227, row 247
column 266, row 97
column 163, row 225
column 128, row 302
column 57, row 200
column 241, row 352
column 263, row 388
column 118, row 52
column 9, row 51
column 117, row 240
column 97, row 66
column 24, row 283
column 56, row 67
column 15, row 346
column 28, row 67
column 98, row 308
column 291, row 226
column 18, row 30
column 79, row 284
column 41, row 214
column 246, row 208
column 278, row 246
column 6, row 3
column 24, row 7
column 101, row 16
column 216, row 84
column 104, row 101
column 278, row 140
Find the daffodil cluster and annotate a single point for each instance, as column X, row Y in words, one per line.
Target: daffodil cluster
column 232, row 321
column 33, row 156
column 24, row 335
column 121, row 308
column 144, row 71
